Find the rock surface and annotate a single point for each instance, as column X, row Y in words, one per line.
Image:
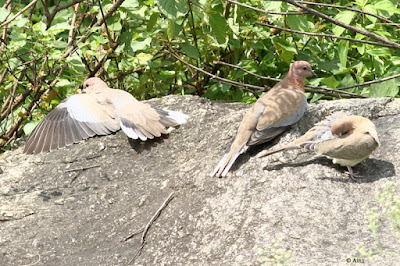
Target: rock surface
column 53, row 214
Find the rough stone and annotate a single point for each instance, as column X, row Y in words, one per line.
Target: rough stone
column 52, row 213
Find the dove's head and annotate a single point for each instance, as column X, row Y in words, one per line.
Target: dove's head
column 301, row 70
column 91, row 85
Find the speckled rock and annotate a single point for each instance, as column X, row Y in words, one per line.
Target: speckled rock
column 52, row 213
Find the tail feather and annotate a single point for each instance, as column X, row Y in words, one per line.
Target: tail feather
column 177, row 117
column 227, row 161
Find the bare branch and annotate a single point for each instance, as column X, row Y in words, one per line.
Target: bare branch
column 343, row 25
column 227, row 81
column 71, row 30
column 351, row 9
column 19, row 13
column 370, row 82
column 323, row 35
column 314, row 89
column 264, row 11
column 149, row 224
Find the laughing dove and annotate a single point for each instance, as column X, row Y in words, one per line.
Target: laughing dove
column 100, row 110
column 347, row 140
column 272, row 114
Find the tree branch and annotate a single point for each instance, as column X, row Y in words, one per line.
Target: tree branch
column 323, row 35
column 227, row 81
column 314, row 89
column 343, row 25
column 19, row 13
column 264, row 11
column 351, row 9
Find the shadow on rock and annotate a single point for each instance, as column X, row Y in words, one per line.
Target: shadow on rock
column 141, row 146
column 369, row 170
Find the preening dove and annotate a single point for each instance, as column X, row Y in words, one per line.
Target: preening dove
column 100, row 110
column 272, row 114
column 347, row 140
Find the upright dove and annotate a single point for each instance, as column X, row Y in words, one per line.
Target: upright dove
column 272, row 114
column 347, row 140
column 99, row 110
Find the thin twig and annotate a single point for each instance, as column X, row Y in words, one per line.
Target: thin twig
column 245, row 70
column 351, row 9
column 321, row 90
column 110, row 39
column 370, row 82
column 264, row 11
column 149, row 224
column 82, row 168
column 323, row 35
column 343, row 25
column 19, row 13
column 231, row 82
column 133, row 234
column 71, row 30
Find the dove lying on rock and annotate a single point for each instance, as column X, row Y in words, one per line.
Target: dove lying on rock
column 272, row 114
column 99, row 110
column 347, row 140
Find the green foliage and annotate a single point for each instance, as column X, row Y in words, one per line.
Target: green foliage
column 274, row 255
column 388, row 212
column 129, row 50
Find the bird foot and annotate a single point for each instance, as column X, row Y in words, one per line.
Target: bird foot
column 352, row 175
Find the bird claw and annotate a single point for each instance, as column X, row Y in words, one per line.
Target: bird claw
column 352, row 175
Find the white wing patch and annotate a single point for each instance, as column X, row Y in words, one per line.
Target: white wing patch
column 78, row 111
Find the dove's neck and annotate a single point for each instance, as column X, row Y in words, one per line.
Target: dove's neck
column 292, row 80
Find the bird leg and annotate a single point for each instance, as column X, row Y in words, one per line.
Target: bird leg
column 352, row 174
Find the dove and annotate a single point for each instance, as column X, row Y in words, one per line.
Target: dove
column 272, row 114
column 347, row 140
column 99, row 110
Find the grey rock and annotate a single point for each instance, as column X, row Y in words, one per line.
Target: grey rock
column 309, row 206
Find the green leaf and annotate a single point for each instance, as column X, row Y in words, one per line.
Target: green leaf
column 144, row 58
column 381, row 52
column 40, row 27
column 115, row 26
column 20, row 22
column 387, row 5
column 330, row 82
column 219, row 27
column 140, row 44
column 171, row 29
column 173, row 9
column 371, row 9
column 59, row 27
column 384, row 89
column 347, row 81
column 345, row 17
column 30, row 126
column 343, row 50
column 130, row 4
column 298, row 22
column 152, row 21
column 3, row 14
column 285, row 51
column 190, row 51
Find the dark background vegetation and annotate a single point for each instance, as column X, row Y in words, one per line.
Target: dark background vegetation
column 211, row 48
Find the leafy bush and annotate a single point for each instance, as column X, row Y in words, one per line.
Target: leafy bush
column 157, row 47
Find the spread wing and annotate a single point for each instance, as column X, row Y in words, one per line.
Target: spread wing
column 76, row 118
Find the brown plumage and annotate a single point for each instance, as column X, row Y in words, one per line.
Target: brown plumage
column 347, row 140
column 272, row 114
column 100, row 110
